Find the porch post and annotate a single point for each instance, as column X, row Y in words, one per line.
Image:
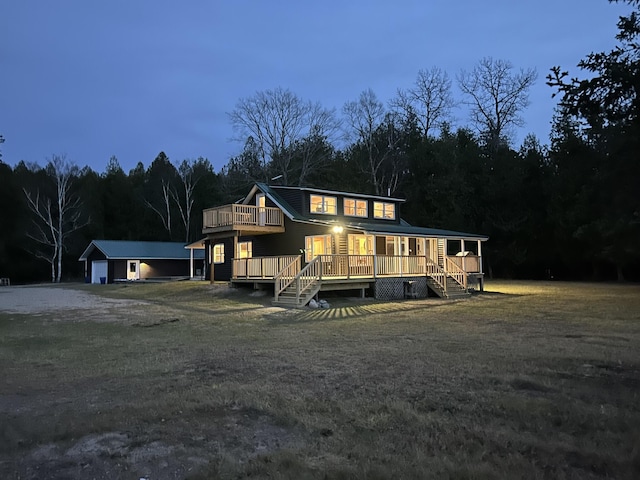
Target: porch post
column 191, row 263
column 480, row 256
column 464, row 259
column 235, row 253
column 375, row 266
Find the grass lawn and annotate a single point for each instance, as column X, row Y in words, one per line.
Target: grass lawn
column 528, row 380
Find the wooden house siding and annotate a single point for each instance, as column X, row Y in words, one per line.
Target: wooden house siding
column 289, row 243
column 295, row 198
column 222, row 271
column 166, row 268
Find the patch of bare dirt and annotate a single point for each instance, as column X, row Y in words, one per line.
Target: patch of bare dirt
column 235, row 437
column 43, row 299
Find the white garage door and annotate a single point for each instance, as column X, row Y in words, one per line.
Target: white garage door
column 98, row 269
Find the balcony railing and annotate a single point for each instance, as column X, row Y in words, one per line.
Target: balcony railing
column 236, row 216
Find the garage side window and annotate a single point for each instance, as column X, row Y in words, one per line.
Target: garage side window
column 218, row 253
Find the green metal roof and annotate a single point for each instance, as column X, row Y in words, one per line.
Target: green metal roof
column 406, row 229
column 403, row 228
column 132, row 250
column 281, row 203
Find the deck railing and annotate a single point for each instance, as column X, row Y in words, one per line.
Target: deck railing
column 261, row 267
column 286, row 269
column 468, row 263
column 286, row 275
column 308, row 278
column 455, row 272
column 235, row 215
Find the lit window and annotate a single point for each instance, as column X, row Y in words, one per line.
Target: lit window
column 245, row 250
column 360, row 244
column 324, row 204
column 218, row 253
column 384, row 210
column 355, row 208
column 316, row 245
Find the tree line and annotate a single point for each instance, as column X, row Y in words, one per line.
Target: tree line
column 569, row 209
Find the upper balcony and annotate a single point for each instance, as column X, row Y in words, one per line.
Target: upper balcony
column 249, row 219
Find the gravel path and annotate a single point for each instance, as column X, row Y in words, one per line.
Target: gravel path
column 40, row 299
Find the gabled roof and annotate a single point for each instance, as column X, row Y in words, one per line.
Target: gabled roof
column 287, row 209
column 132, row 250
column 403, row 228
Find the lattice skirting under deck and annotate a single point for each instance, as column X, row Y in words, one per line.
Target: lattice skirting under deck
column 394, row 288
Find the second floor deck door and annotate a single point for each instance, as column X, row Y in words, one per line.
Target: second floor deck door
column 262, row 210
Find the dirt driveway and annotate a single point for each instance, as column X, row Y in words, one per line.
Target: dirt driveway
column 34, row 299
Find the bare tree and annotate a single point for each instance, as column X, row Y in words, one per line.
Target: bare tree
column 189, row 174
column 323, row 126
column 277, row 119
column 377, row 133
column 55, row 218
column 429, row 99
column 496, row 97
column 161, row 173
column 164, row 209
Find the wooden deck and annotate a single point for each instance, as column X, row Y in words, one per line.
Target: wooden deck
column 248, row 219
column 295, row 284
column 359, row 267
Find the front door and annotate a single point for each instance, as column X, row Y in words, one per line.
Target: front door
column 262, row 210
column 133, row 269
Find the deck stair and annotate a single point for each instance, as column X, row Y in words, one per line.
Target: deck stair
column 297, row 290
column 289, row 296
column 295, row 286
column 453, row 288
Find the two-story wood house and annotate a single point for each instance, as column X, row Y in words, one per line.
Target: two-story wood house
column 306, row 240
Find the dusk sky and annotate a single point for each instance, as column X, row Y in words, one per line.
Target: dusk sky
column 133, row 78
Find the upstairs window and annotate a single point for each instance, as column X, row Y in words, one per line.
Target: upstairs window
column 323, row 204
column 355, row 208
column 384, row 210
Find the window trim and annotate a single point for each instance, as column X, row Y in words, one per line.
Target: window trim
column 385, row 209
column 323, row 204
column 355, row 208
column 309, row 254
column 249, row 249
column 217, row 256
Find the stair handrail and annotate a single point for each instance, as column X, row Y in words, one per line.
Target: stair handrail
column 456, row 272
column 286, row 276
column 432, row 269
column 308, row 277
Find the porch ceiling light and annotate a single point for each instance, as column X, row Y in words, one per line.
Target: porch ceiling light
column 337, row 229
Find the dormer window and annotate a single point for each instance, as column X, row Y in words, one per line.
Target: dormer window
column 384, row 210
column 324, row 204
column 355, row 208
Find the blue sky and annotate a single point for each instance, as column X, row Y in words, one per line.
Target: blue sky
column 133, row 78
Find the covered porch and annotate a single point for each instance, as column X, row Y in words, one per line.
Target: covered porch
column 354, row 266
